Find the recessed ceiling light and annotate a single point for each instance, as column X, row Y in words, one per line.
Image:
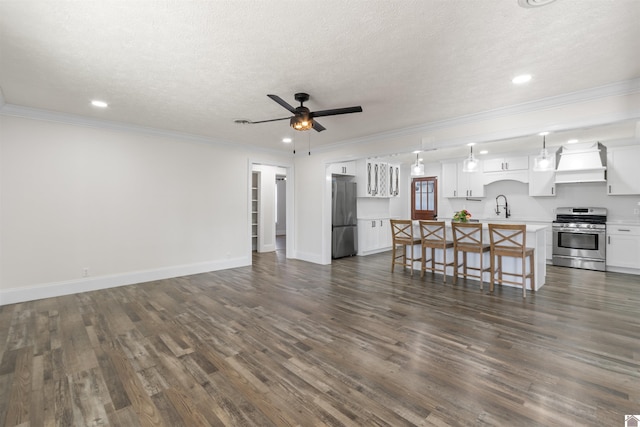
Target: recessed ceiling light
column 544, row 133
column 484, row 152
column 471, row 144
column 100, row 104
column 287, row 140
column 572, row 141
column 521, row 79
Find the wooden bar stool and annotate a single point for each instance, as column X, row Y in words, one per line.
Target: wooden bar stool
column 510, row 240
column 402, row 236
column 467, row 238
column 434, row 236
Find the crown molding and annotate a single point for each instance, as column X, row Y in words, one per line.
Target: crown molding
column 13, row 110
column 622, row 88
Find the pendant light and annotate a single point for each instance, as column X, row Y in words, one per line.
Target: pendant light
column 470, row 164
column 418, row 168
column 543, row 162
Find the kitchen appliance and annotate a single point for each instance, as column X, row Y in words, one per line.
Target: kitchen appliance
column 344, row 229
column 579, row 238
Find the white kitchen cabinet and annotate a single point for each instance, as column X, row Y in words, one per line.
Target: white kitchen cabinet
column 505, row 168
column 623, row 246
column 623, row 173
column 543, row 183
column 457, row 183
column 343, row 168
column 374, row 235
column 394, row 180
column 372, row 178
column 503, row 164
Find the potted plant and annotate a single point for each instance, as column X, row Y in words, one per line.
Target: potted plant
column 462, row 216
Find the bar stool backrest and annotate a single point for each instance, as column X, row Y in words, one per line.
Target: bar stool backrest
column 402, row 231
column 433, row 233
column 508, row 238
column 467, row 234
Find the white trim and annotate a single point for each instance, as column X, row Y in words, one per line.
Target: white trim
column 626, row 87
column 77, row 120
column 17, row 295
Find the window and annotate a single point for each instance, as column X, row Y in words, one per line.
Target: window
column 424, row 198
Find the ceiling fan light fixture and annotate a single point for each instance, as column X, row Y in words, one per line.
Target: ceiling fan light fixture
column 301, row 123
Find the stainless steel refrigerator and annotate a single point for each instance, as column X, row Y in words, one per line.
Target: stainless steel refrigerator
column 344, row 227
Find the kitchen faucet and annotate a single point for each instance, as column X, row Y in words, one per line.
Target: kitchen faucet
column 507, row 214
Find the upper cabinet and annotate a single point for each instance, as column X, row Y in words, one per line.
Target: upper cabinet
column 394, row 180
column 502, row 168
column 343, row 168
column 456, row 183
column 504, row 164
column 377, row 179
column 623, row 172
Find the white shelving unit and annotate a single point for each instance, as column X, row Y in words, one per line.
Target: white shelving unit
column 255, row 203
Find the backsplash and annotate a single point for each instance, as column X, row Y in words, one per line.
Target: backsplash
column 524, row 207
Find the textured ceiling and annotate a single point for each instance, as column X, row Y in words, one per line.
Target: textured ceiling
column 195, row 66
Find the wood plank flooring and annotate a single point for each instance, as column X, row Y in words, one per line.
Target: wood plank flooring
column 287, row 343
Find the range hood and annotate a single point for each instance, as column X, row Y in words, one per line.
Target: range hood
column 584, row 162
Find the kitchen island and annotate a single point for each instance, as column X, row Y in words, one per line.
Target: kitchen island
column 536, row 239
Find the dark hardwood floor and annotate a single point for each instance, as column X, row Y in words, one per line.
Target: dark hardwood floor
column 285, row 342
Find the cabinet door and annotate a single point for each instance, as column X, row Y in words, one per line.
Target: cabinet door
column 384, row 234
column 493, row 165
column 542, row 183
column 394, row 180
column 343, row 168
column 623, row 248
column 450, row 180
column 516, row 163
column 371, row 189
column 383, row 180
column 473, row 187
column 623, row 173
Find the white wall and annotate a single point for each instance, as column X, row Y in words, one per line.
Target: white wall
column 118, row 206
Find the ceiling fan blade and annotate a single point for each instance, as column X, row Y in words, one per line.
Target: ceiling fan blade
column 336, row 111
column 318, row 127
column 271, row 120
column 282, row 102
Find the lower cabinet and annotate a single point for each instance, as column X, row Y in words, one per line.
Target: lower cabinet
column 623, row 246
column 374, row 235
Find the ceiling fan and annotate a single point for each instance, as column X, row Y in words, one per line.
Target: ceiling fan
column 303, row 118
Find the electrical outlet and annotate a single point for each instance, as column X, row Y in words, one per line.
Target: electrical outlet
column 85, row 272
column 636, row 211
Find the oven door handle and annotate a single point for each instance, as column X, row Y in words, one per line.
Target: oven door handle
column 579, row 231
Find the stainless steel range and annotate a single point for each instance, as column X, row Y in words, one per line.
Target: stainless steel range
column 579, row 238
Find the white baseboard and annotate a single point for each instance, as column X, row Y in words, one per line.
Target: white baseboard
column 86, row 284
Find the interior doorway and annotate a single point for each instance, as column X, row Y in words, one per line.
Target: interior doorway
column 281, row 212
column 270, row 208
column 424, row 198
